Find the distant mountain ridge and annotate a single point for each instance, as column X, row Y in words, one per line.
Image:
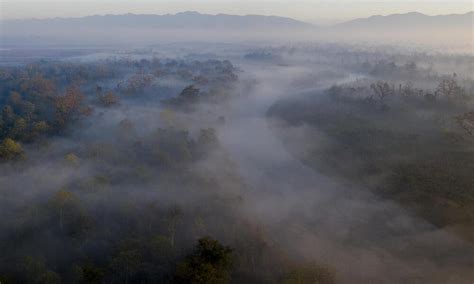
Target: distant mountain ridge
column 413, row 20
column 189, row 19
column 142, row 29
column 196, row 20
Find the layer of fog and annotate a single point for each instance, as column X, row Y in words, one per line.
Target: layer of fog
column 27, row 35
column 320, row 219
column 310, row 216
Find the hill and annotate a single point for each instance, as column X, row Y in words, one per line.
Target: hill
column 410, row 21
column 188, row 20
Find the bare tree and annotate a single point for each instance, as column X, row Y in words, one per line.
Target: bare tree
column 449, row 88
column 466, row 122
column 382, row 90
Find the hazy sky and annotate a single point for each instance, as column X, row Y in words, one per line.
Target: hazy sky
column 314, row 10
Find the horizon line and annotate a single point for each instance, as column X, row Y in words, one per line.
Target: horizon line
column 226, row 14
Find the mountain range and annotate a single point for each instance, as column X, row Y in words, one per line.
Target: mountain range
column 188, row 20
column 197, row 20
column 129, row 28
column 413, row 20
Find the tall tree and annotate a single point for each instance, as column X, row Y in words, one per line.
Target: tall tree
column 210, row 262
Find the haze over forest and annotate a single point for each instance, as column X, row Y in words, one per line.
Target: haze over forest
column 218, row 148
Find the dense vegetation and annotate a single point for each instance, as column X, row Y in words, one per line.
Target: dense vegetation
column 112, row 173
column 149, row 171
column 407, row 144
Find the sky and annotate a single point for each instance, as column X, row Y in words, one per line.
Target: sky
column 315, row 11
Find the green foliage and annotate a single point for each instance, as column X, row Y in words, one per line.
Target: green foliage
column 10, row 150
column 210, row 262
column 36, row 272
column 89, row 273
column 29, row 112
column 420, row 150
column 115, row 209
column 310, row 274
column 72, row 159
column 49, row 277
column 127, row 263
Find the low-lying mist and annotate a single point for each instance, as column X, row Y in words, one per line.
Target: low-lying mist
column 116, row 169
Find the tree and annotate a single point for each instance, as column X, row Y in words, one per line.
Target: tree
column 407, row 90
column 32, row 268
column 40, row 127
column 38, row 87
column 175, row 214
column 382, row 90
column 466, row 122
column 109, row 99
column 72, row 159
column 189, row 94
column 8, row 115
column 27, row 110
column 10, row 150
column 187, row 97
column 127, row 262
column 18, row 129
column 15, row 99
column 161, row 249
column 61, row 199
column 208, row 137
column 207, row 141
column 89, row 273
column 210, row 262
column 137, row 83
column 36, row 271
column 49, row 277
column 68, row 105
column 309, row 275
column 449, row 88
